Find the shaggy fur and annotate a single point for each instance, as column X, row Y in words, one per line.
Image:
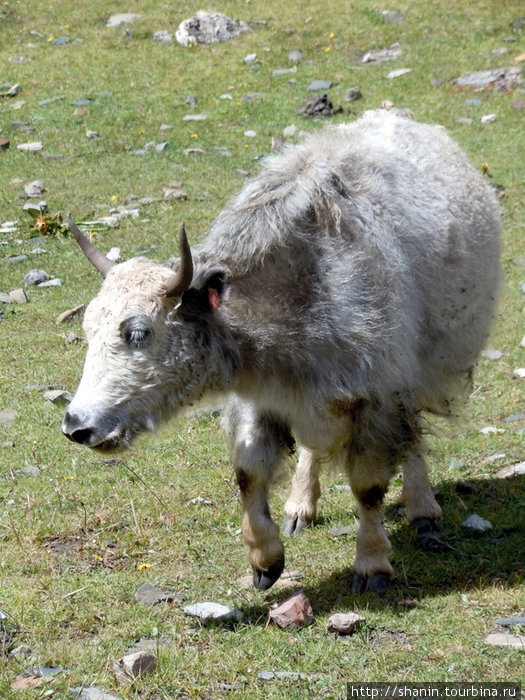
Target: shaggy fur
column 354, row 282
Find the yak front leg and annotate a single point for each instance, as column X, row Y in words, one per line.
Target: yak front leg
column 422, row 509
column 301, row 507
column 259, row 444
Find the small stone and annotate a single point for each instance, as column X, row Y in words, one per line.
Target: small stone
column 491, row 430
column 226, row 96
column 319, row 85
column 456, row 464
column 34, row 277
column 92, row 134
column 294, row 612
column 194, row 152
column 31, row 147
column 504, row 639
column 295, row 56
column 74, row 314
column 195, row 118
column 18, row 296
column 515, row 621
column 250, row 58
column 378, row 55
column 138, row 663
column 19, row 60
column 511, row 471
column 20, row 652
column 148, row 594
column 55, row 282
column 209, row 28
column 288, row 579
column 520, row 372
column 28, row 470
column 35, row 189
column 280, row 72
column 290, row 131
column 60, row 41
column 281, row 675
column 163, row 37
column 353, row 94
column 4, row 143
column 5, row 298
column 494, row 79
column 91, row 693
column 58, row 397
column 74, row 339
column 8, row 416
column 345, row 623
column 477, row 523
column 344, row 530
column 17, row 258
column 392, row 16
column 209, row 610
column 120, row 19
column 14, row 90
column 398, row 73
column 492, row 354
column 250, row 134
column 518, row 105
column 489, row 118
column 81, row 102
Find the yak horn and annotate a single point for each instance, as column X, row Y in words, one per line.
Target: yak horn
column 95, row 257
column 179, row 281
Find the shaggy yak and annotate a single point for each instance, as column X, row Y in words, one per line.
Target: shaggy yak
column 346, row 289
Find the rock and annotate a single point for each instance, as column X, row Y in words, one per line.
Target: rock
column 19, row 60
column 122, row 18
column 287, row 579
column 194, row 151
column 73, row 339
column 456, row 464
column 195, row 118
column 250, row 58
column 477, row 523
column 17, row 258
column 34, row 277
column 138, row 663
column 488, row 118
column 504, row 639
column 319, row 85
column 520, row 372
column 35, row 189
column 344, row 530
column 114, row 254
column 4, row 143
column 392, row 16
column 511, row 471
column 18, row 296
column 28, row 470
column 92, row 693
column 515, row 621
column 209, row 28
column 493, row 79
column 294, row 612
column 295, row 56
column 290, row 131
column 281, row 675
column 345, row 623
column 59, row 397
column 163, row 37
column 250, row 134
column 398, row 73
column 208, row 610
column 5, row 298
column 319, row 106
column 8, row 416
column 492, row 354
column 518, row 105
column 74, row 314
column 491, row 430
column 31, row 147
column 55, row 282
column 148, row 594
column 378, row 55
column 20, row 652
column 353, row 94
column 92, row 134
column 280, row 72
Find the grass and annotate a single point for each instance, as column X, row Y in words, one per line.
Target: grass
column 78, row 540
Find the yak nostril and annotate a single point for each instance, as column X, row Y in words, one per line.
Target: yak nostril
column 82, row 436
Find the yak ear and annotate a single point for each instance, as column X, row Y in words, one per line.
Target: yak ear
column 206, row 291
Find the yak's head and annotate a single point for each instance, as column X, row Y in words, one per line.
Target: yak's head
column 146, row 333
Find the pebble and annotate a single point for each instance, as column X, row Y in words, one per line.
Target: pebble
column 209, row 610
column 491, row 430
column 290, row 131
column 31, row 147
column 55, row 282
column 226, row 96
column 92, row 134
column 35, row 188
column 8, row 416
column 281, row 675
column 492, row 354
column 285, row 71
column 92, row 693
column 18, row 296
column 163, row 37
column 148, row 594
column 295, row 56
column 292, row 613
column 515, row 621
column 488, row 118
column 34, row 277
column 209, row 28
column 504, row 639
column 398, row 73
column 114, row 254
column 138, row 663
column 511, row 471
column 195, row 118
column 387, row 54
column 122, row 18
column 345, row 623
column 353, row 94
column 4, row 143
column 288, row 579
column 520, row 372
column 58, row 397
column 250, row 134
column 250, row 58
column 495, row 79
column 319, row 85
column 477, row 523
column 344, row 530
column 456, row 464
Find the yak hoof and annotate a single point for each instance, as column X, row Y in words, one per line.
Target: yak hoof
column 293, row 526
column 263, row 580
column 370, row 584
column 426, row 529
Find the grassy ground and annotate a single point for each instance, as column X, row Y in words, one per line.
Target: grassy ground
column 79, row 539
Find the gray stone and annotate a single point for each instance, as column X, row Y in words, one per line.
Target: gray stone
column 31, row 147
column 92, row 134
column 8, row 416
column 35, row 188
column 345, row 623
column 319, row 85
column 163, row 37
column 195, row 118
column 120, row 19
column 494, row 79
column 91, row 693
column 280, row 72
column 456, row 464
column 55, row 282
column 379, row 55
column 353, row 94
column 398, row 73
column 148, row 594
column 5, row 298
column 20, row 652
column 504, row 639
column 138, row 663
column 477, row 523
column 28, row 470
column 511, row 471
column 515, row 621
column 209, row 28
column 345, row 530
column 295, row 56
column 281, row 676
column 58, row 397
column 250, row 58
column 16, row 258
column 208, row 610
column 290, row 131
column 60, row 41
column 34, row 277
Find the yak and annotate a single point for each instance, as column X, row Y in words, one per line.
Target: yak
column 345, row 291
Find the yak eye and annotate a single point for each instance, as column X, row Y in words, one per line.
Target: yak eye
column 136, row 331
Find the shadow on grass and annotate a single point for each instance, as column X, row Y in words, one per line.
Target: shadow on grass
column 470, row 560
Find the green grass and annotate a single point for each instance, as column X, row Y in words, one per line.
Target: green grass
column 78, row 540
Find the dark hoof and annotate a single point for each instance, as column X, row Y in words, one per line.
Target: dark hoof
column 263, row 580
column 373, row 584
column 293, row 526
column 426, row 530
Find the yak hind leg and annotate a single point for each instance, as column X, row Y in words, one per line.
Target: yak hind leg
column 422, row 510
column 372, row 568
column 258, row 444
column 300, row 509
